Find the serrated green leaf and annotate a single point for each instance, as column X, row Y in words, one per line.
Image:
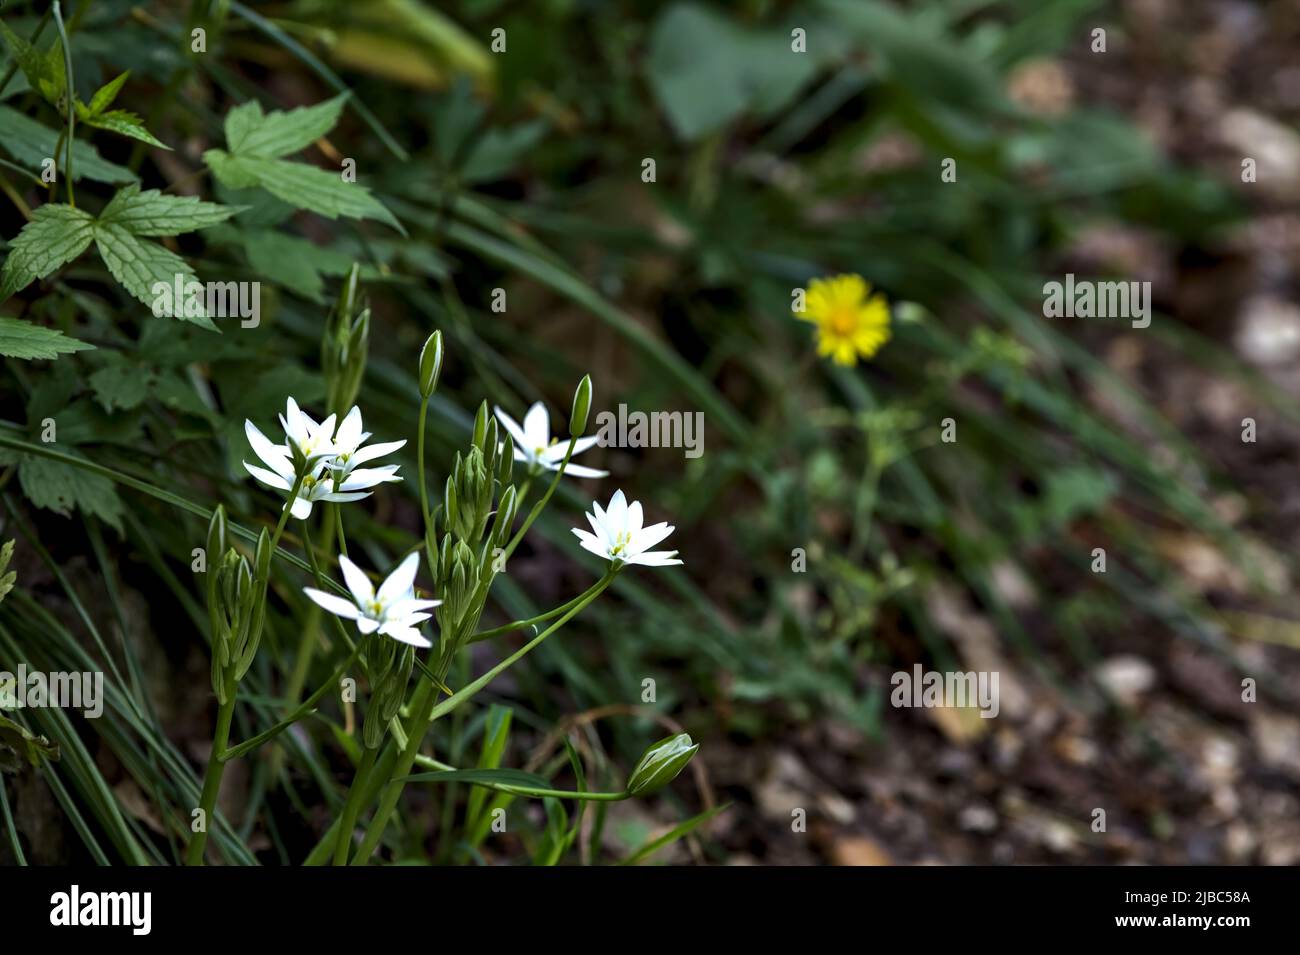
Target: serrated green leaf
column 250, row 132
column 43, row 70
column 126, row 124
column 30, row 143
column 105, row 95
column 56, row 235
column 6, row 579
column 120, row 384
column 300, row 185
column 20, row 339
column 138, row 266
column 61, row 488
column 154, row 213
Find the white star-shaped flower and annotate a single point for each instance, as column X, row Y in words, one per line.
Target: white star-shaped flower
column 350, row 449
column 393, row 610
column 316, row 444
column 620, row 537
column 534, row 444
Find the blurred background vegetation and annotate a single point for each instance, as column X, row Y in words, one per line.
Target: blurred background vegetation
column 522, row 170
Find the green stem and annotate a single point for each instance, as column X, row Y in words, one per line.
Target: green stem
column 521, row 624
column 225, row 713
column 352, row 806
column 307, row 707
column 426, row 696
column 866, row 505
column 429, row 555
column 71, row 96
column 338, row 528
column 511, row 788
column 309, row 640
column 541, row 505
column 212, row 778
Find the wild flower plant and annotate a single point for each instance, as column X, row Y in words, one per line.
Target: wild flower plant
column 408, row 635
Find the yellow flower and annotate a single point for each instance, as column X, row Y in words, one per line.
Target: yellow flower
column 850, row 320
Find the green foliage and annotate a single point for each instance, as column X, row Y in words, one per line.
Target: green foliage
column 519, row 173
column 256, row 143
column 58, row 234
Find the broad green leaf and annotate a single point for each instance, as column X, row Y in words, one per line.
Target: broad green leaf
column 707, row 70
column 294, row 262
column 300, row 185
column 250, row 132
column 56, row 235
column 20, row 339
column 30, row 144
column 917, row 55
column 154, row 213
column 138, row 266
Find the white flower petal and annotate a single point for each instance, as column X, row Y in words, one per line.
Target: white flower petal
column 301, row 508
column 268, row 478
column 650, row 536
column 274, row 455
column 400, row 581
column 369, row 477
column 537, row 427
column 596, row 547
column 635, row 518
column 557, row 451
column 294, row 421
column 658, row 558
column 367, row 625
column 410, row 605
column 333, row 603
column 512, row 426
column 343, row 498
column 616, row 513
column 405, row 635
column 349, row 433
column 577, row 470
column 363, row 591
column 372, row 451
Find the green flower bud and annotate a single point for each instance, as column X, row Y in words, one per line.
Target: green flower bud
column 450, row 502
column 661, row 763
column 349, row 294
column 505, row 518
column 491, row 444
column 581, row 408
column 506, row 466
column 216, row 536
column 480, row 426
column 264, row 554
column 430, row 364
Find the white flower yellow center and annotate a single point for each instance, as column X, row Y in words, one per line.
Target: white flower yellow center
column 621, row 543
